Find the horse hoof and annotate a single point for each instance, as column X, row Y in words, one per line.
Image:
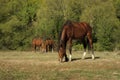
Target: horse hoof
column 93, row 58
column 70, row 60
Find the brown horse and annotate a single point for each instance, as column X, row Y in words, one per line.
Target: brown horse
column 37, row 42
column 74, row 30
column 49, row 45
column 44, row 46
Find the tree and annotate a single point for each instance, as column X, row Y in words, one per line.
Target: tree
column 117, row 6
column 22, row 20
column 104, row 22
column 16, row 23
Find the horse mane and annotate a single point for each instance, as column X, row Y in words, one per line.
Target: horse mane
column 68, row 22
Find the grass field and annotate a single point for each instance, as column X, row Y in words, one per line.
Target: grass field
column 38, row 66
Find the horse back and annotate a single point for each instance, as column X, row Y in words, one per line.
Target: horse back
column 81, row 29
column 37, row 41
column 49, row 42
column 33, row 41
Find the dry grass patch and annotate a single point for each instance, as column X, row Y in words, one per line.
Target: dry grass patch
column 39, row 66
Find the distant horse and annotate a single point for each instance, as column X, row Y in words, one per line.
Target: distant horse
column 44, row 46
column 49, row 45
column 74, row 30
column 37, row 42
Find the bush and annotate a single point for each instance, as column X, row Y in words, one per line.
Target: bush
column 78, row 47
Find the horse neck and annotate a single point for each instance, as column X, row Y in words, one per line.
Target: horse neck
column 63, row 35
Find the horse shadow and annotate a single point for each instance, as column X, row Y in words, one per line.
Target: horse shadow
column 76, row 59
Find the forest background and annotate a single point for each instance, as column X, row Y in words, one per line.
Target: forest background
column 23, row 20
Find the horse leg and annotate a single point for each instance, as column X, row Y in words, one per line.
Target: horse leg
column 35, row 48
column 39, row 48
column 52, row 48
column 84, row 45
column 70, row 49
column 89, row 48
column 47, row 48
column 91, row 45
column 66, row 58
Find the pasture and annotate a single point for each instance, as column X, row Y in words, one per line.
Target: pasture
column 38, row 66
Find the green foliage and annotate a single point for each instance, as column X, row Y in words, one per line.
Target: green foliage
column 103, row 18
column 16, row 28
column 22, row 20
column 78, row 47
column 117, row 7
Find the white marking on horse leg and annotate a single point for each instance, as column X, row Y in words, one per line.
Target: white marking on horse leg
column 93, row 56
column 83, row 57
column 70, row 57
column 60, row 60
column 52, row 50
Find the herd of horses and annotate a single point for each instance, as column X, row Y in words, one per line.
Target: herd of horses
column 42, row 45
column 70, row 31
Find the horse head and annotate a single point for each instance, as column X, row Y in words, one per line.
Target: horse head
column 61, row 50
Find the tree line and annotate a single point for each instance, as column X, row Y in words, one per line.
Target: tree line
column 23, row 20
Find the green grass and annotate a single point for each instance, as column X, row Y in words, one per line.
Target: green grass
column 38, row 66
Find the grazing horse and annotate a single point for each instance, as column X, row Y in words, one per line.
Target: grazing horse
column 74, row 30
column 37, row 42
column 49, row 45
column 44, row 46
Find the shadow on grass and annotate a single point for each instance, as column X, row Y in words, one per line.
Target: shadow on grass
column 75, row 59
